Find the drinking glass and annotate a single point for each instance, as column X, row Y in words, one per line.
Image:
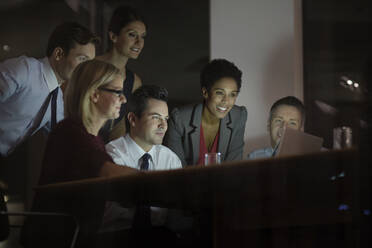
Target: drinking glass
column 212, row 158
column 342, row 137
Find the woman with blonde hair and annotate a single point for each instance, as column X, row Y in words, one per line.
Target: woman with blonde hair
column 93, row 96
column 75, row 151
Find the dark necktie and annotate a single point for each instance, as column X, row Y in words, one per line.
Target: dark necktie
column 142, row 216
column 145, row 162
column 54, row 107
column 52, row 100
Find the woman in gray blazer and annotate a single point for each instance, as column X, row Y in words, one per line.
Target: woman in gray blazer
column 217, row 124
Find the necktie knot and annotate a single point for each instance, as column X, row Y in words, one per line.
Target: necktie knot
column 145, row 161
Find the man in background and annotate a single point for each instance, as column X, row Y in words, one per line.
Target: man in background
column 27, row 84
column 31, row 98
column 287, row 112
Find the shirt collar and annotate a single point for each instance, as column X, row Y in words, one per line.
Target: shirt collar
column 269, row 150
column 136, row 151
column 49, row 74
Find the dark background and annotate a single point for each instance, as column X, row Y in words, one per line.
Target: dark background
column 176, row 46
column 337, row 44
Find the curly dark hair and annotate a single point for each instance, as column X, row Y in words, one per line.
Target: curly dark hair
column 67, row 35
column 217, row 69
column 137, row 102
column 122, row 16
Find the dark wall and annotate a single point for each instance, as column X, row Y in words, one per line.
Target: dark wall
column 176, row 47
column 337, row 44
column 26, row 25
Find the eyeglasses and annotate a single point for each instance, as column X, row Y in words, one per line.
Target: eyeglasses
column 118, row 93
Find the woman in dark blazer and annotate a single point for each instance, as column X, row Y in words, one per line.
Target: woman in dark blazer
column 217, row 124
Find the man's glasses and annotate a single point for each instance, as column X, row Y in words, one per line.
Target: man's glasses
column 118, row 93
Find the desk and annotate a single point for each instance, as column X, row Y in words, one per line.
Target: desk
column 315, row 189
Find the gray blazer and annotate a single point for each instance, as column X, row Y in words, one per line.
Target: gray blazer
column 183, row 135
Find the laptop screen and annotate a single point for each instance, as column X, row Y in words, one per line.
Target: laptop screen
column 295, row 142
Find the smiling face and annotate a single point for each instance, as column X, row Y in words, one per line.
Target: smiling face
column 108, row 103
column 220, row 98
column 282, row 117
column 130, row 40
column 150, row 128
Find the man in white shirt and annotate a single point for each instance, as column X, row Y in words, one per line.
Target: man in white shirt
column 147, row 121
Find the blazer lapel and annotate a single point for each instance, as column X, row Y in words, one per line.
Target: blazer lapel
column 194, row 132
column 225, row 135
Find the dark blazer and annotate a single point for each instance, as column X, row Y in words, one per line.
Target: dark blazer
column 183, row 135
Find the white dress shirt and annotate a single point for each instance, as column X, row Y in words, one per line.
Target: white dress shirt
column 125, row 151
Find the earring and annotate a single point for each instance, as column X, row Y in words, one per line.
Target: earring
column 94, row 99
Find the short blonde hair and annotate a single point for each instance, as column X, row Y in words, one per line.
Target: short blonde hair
column 86, row 78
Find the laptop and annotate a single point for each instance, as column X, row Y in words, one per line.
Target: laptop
column 295, row 142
